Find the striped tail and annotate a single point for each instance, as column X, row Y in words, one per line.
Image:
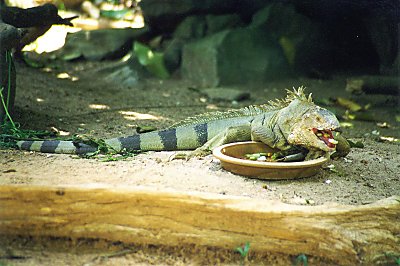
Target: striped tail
column 181, row 138
column 184, row 137
column 56, row 146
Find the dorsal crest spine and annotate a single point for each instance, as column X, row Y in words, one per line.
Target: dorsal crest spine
column 251, row 110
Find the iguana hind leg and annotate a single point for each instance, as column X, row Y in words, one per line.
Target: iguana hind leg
column 230, row 134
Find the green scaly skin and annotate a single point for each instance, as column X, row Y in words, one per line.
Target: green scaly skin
column 291, row 123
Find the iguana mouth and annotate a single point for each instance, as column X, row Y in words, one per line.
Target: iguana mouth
column 326, row 136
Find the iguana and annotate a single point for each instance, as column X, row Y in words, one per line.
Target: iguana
column 293, row 122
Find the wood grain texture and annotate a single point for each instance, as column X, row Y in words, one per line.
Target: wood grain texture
column 346, row 235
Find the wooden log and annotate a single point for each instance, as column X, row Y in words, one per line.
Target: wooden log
column 345, row 235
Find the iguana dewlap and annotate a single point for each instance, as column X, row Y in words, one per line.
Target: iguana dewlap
column 283, row 124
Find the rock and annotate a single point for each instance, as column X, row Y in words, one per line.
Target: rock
column 243, row 55
column 292, row 30
column 195, row 27
column 383, row 33
column 173, row 54
column 225, row 94
column 192, row 27
column 349, row 35
column 126, row 74
column 163, row 16
column 216, row 23
column 99, row 44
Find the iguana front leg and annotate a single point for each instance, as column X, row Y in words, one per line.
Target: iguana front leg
column 273, row 137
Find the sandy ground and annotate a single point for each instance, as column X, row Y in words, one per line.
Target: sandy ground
column 85, row 103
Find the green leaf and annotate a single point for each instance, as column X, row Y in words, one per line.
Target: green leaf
column 143, row 53
column 152, row 61
column 239, row 250
column 244, row 250
column 114, row 14
column 157, row 67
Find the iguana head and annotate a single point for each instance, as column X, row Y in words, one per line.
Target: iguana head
column 308, row 125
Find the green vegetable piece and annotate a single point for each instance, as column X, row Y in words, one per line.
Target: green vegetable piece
column 357, row 144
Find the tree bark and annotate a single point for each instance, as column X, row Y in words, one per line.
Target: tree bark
column 9, row 38
column 33, row 17
column 342, row 234
column 34, row 23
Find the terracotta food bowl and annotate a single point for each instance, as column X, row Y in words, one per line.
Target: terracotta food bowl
column 231, row 156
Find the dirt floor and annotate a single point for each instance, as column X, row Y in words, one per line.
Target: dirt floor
column 84, row 103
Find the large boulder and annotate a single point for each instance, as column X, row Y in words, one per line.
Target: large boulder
column 216, row 23
column 384, row 33
column 173, row 53
column 192, row 27
column 127, row 74
column 234, row 56
column 163, row 16
column 195, row 27
column 100, row 44
column 300, row 38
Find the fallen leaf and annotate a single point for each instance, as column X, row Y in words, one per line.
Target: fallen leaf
column 348, row 104
column 389, row 139
column 346, row 124
column 383, row 125
column 9, row 171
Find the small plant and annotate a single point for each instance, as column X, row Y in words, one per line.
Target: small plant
column 10, row 132
column 5, row 103
column 393, row 256
column 102, row 149
column 243, row 251
column 301, row 260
